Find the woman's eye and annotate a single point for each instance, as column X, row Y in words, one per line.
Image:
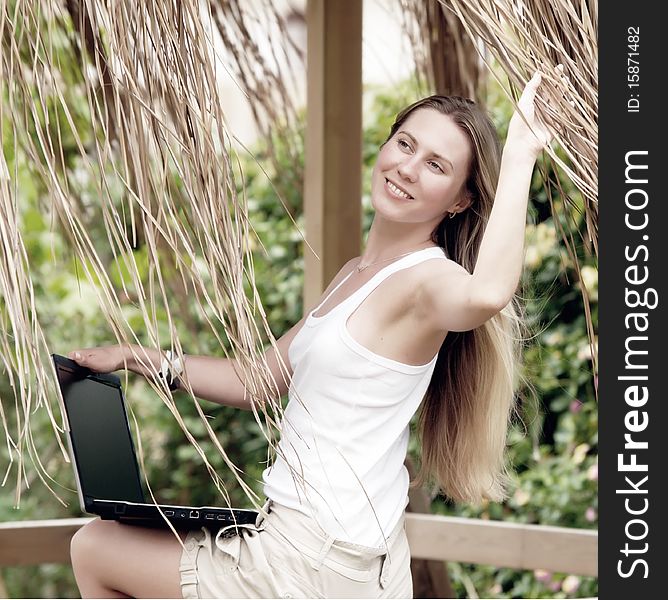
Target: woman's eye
column 403, row 144
column 436, row 165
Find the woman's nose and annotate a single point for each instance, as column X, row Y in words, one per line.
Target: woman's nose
column 408, row 170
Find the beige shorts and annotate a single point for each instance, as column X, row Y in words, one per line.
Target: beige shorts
column 286, row 555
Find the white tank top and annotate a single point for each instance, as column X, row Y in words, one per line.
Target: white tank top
column 345, row 428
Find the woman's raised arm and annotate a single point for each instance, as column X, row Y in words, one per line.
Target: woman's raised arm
column 499, row 264
column 473, row 298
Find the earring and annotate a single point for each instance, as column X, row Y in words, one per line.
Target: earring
column 453, row 215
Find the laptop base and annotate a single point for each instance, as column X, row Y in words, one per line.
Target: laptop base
column 181, row 517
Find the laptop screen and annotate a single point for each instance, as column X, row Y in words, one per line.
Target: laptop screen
column 101, row 441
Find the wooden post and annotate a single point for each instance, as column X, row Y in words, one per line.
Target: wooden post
column 333, row 161
column 3, row 588
column 430, row 577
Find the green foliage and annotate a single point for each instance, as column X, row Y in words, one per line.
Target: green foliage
column 553, row 450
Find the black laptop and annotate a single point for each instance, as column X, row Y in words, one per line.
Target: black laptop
column 105, row 463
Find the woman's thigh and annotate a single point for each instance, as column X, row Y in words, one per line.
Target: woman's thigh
column 137, row 561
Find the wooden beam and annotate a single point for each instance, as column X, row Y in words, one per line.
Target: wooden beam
column 503, row 544
column 333, row 158
column 37, row 542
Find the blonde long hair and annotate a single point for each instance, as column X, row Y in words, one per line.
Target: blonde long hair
column 466, row 411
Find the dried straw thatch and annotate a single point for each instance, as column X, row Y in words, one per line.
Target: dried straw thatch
column 149, row 75
column 446, row 59
column 451, row 38
column 148, row 72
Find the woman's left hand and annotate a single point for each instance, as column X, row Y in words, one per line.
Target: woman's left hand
column 530, row 134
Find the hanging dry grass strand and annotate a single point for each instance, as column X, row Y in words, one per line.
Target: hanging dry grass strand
column 522, row 38
column 444, row 54
column 525, row 37
column 541, row 35
column 271, row 77
column 157, row 148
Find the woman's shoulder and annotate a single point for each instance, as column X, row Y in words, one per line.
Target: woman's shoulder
column 437, row 266
column 347, row 268
column 417, row 274
column 430, row 278
column 344, row 271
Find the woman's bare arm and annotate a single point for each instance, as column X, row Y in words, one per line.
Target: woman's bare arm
column 211, row 378
column 472, row 299
column 215, row 379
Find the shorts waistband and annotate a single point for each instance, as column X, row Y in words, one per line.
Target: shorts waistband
column 308, row 538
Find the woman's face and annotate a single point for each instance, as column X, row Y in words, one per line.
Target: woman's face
column 421, row 171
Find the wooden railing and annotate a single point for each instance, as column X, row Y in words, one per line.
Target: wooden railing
column 434, row 537
column 503, row 544
column 37, row 542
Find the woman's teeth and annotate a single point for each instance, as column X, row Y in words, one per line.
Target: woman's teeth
column 397, row 191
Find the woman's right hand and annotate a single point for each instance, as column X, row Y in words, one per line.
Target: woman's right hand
column 104, row 359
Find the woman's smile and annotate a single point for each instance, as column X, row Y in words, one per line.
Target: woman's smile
column 397, row 192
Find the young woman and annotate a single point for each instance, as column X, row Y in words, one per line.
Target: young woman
column 425, row 316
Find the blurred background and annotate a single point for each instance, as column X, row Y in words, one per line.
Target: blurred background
column 553, row 448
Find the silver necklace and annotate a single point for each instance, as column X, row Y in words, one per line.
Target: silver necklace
column 360, row 269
